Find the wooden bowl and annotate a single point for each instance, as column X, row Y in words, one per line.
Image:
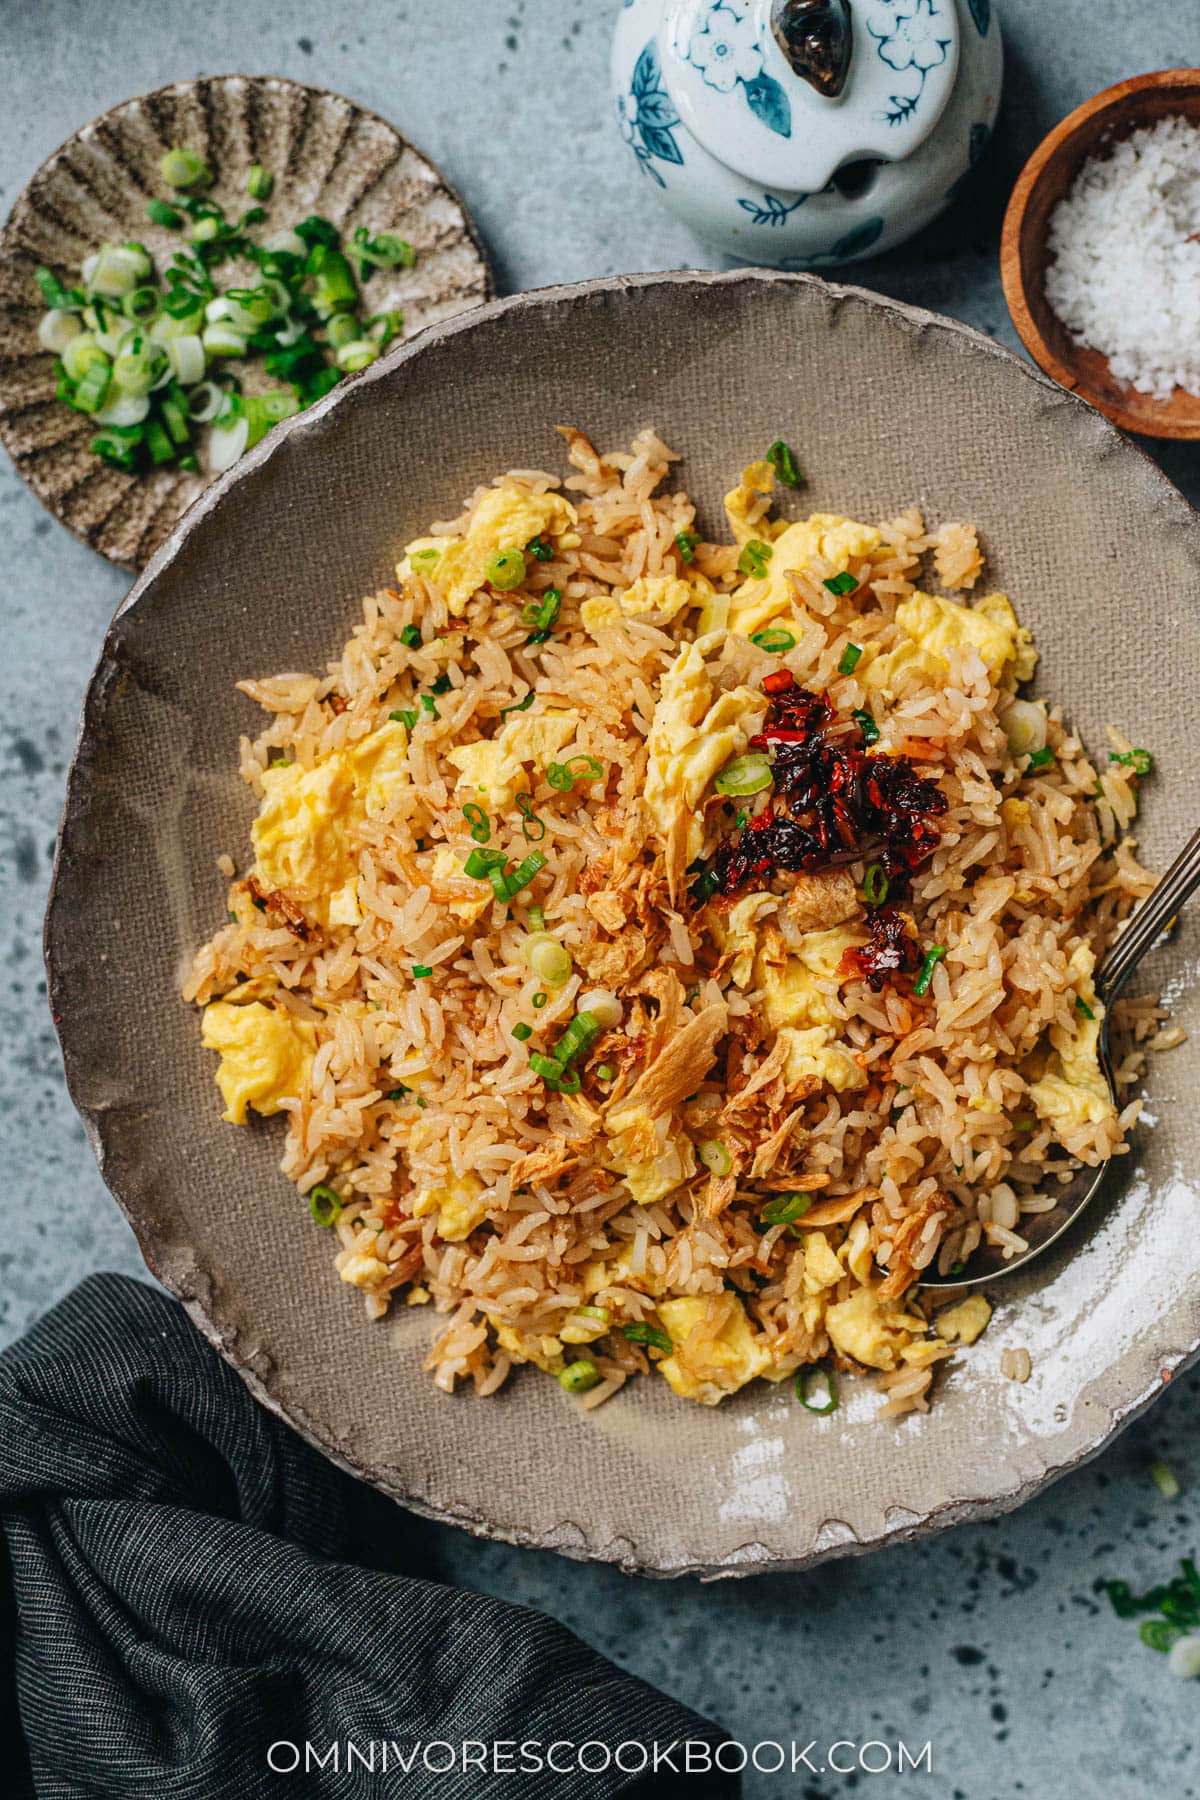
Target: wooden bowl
column 1092, row 128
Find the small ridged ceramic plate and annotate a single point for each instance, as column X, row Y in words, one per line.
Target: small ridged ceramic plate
column 327, row 156
column 886, row 407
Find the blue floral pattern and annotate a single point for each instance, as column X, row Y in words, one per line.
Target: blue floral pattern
column 727, row 54
column 771, row 210
column 906, row 38
column 648, row 117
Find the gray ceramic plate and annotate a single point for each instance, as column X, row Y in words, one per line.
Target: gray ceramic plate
column 885, row 406
column 327, row 154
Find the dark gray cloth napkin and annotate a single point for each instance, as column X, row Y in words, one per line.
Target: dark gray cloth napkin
column 184, row 1583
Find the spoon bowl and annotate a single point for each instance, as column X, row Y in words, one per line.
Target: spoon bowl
column 1145, row 928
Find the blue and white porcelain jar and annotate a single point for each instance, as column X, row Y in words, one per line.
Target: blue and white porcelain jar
column 806, row 133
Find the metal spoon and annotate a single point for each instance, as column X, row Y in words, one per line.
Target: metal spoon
column 1043, row 1229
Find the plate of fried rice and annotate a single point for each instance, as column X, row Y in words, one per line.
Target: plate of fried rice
column 581, row 891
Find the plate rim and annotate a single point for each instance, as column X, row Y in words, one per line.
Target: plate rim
column 751, row 1557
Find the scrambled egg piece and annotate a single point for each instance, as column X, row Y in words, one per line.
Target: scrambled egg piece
column 446, row 867
column 860, row 1328
column 265, row 1056
column 492, row 768
column 505, row 519
column 594, row 1276
column 1073, row 1090
column 759, row 600
column 648, row 1169
column 722, row 1364
column 363, row 1270
column 663, row 595
column 790, row 995
column 821, row 1266
column 457, row 1205
column 579, row 1327
column 692, row 736
column 545, row 1352
column 963, row 1323
column 816, row 1051
column 303, row 835
column 935, row 627
column 744, row 504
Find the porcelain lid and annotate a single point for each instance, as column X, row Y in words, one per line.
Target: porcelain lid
column 738, row 94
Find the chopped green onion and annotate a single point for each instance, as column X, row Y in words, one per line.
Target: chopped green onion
column 259, row 182
column 1140, row 761
column 715, row 1157
column 848, row 661
column 744, row 775
column 384, row 326
column 410, row 637
column 705, row 886
column 477, row 819
column 548, row 959
column 505, row 569
column 539, row 1000
column 741, row 819
column 540, row 548
column 55, row 294
column 403, row 717
column 1083, row 1007
column 579, row 1376
column 524, row 873
column 118, row 446
column 604, row 1071
column 92, row 387
column 425, row 556
column 651, row 1335
column 420, row 971
column 184, row 168
column 519, row 705
column 481, row 864
column 578, row 1038
column 1041, row 759
column 441, row 685
column 563, row 776
column 875, row 885
column 685, row 543
column 815, row 1390
column 754, row 559
column 357, row 355
column 159, row 213
column 784, row 464
column 386, row 251
column 548, row 1067
column 866, row 725
column 325, row 1204
column 933, row 957
column 428, row 705
column 522, row 1032
column 1165, row 1480
column 543, row 615
column 533, row 827
column 537, row 919
column 845, row 583
column 1158, row 1634
column 774, row 642
column 315, row 230
column 786, row 1208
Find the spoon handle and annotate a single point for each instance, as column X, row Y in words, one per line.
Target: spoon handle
column 1179, row 882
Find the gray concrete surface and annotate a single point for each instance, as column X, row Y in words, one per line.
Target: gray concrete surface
column 987, row 1642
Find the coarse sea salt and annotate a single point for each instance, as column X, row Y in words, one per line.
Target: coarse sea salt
column 1124, row 268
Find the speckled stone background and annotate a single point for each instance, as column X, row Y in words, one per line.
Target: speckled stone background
column 987, row 1642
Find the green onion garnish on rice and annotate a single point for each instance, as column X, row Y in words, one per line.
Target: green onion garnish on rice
column 848, row 661
column 815, row 1390
column 542, row 615
column 783, row 461
column 429, row 705
column 685, row 543
column 441, row 685
column 523, row 874
column 325, row 1204
column 786, row 1208
column 1140, row 761
column 744, row 775
column 845, row 583
column 1041, row 759
column 537, row 919
column 481, row 863
column 579, row 1376
column 420, row 971
column 875, row 885
column 653, row 1336
column 533, row 827
column 539, row 1000
column 604, row 1071
column 715, row 1157
column 578, row 1038
column 522, row 1032
column 933, row 957
column 563, row 776
column 410, row 637
column 519, row 705
column 540, row 548
column 477, row 819
column 1083, row 1007
column 505, row 569
column 774, row 642
column 866, row 725
column 403, row 717
column 754, row 559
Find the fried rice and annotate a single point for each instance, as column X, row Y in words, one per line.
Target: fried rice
column 746, row 1151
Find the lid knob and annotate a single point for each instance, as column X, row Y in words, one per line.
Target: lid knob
column 817, row 38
